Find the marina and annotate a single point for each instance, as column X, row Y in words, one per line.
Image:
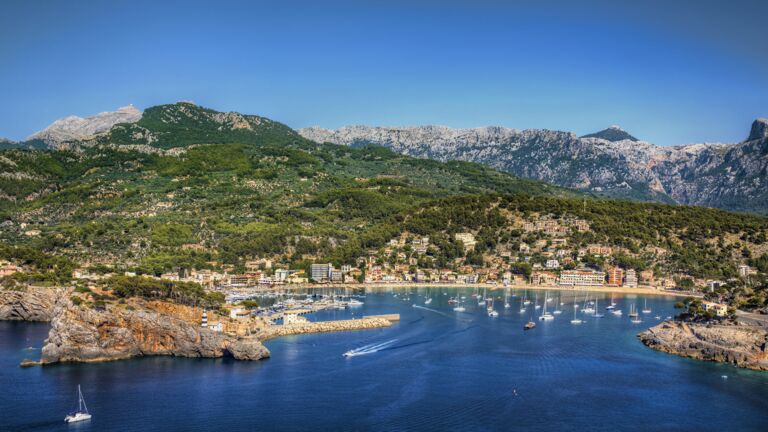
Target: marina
column 553, row 372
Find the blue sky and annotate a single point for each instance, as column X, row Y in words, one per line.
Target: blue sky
column 669, row 72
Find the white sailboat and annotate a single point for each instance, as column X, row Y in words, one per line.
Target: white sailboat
column 536, row 304
column 82, row 410
column 612, row 305
column 575, row 320
column 428, row 301
column 557, row 310
column 506, row 299
column 491, row 311
column 522, row 305
column 645, row 308
column 597, row 308
column 525, row 298
column 545, row 316
column 632, row 311
column 481, row 302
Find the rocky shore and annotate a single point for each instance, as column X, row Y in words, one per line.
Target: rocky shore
column 86, row 335
column 31, row 303
column 740, row 345
column 83, row 334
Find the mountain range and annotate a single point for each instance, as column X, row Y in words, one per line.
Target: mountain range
column 185, row 186
column 609, row 163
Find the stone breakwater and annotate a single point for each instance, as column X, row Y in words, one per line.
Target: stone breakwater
column 31, row 303
column 324, row 326
column 740, row 345
column 86, row 335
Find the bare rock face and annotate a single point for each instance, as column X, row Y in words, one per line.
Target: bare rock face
column 31, row 303
column 742, row 346
column 610, row 162
column 86, row 335
column 759, row 130
column 247, row 349
column 77, row 128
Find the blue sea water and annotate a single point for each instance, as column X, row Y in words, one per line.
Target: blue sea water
column 439, row 371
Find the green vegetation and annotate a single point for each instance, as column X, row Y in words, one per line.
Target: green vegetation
column 186, row 293
column 187, row 187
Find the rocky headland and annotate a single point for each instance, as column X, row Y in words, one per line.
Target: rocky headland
column 86, row 335
column 120, row 331
column 31, row 303
column 740, row 345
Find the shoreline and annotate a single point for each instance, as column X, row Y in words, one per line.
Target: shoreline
column 418, row 285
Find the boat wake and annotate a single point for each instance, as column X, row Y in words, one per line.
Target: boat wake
column 369, row 349
column 433, row 310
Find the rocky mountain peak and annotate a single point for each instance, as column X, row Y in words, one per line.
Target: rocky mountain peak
column 609, row 163
column 612, row 133
column 759, row 129
column 77, row 128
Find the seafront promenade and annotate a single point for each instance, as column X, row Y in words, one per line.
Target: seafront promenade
column 495, row 287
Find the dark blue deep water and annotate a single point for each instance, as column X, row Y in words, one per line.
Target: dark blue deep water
column 444, row 371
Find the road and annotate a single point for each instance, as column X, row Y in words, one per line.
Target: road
column 752, row 318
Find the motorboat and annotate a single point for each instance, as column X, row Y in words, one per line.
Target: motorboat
column 529, row 325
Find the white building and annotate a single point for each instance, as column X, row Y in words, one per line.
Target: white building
column 552, row 264
column 721, row 310
column 630, row 278
column 290, row 317
column 582, row 278
column 320, row 272
column 467, row 239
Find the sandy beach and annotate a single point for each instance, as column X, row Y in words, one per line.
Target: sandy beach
column 495, row 287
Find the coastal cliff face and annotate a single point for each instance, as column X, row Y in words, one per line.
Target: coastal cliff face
column 740, row 345
column 86, row 335
column 31, row 303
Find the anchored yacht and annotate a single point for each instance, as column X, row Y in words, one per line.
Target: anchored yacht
column 82, row 410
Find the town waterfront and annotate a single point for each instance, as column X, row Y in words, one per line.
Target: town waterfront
column 436, row 369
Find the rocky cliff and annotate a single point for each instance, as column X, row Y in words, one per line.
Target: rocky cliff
column 740, row 345
column 610, row 162
column 80, row 334
column 31, row 303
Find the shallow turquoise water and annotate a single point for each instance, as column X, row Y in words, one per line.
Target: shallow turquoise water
column 441, row 370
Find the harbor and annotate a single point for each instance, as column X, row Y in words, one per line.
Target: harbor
column 552, row 370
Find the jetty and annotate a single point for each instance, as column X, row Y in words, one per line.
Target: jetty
column 307, row 327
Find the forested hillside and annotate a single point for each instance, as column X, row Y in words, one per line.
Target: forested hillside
column 188, row 187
